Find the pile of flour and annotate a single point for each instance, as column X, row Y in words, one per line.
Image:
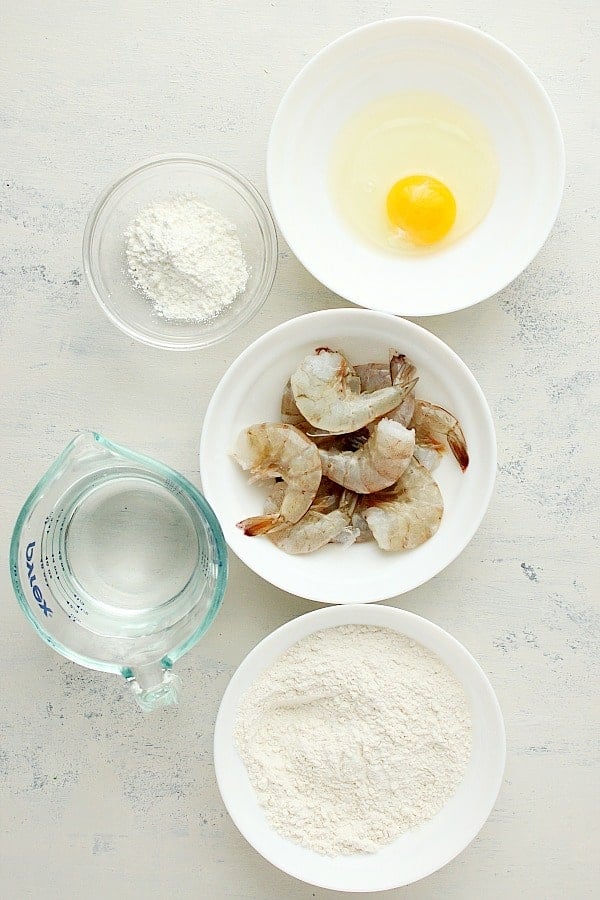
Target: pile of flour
column 353, row 736
column 186, row 258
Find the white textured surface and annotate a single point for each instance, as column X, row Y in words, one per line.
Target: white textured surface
column 98, row 800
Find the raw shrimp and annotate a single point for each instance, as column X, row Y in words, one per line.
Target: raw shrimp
column 290, row 414
column 356, row 532
column 437, row 430
column 377, row 464
column 323, row 390
column 324, row 522
column 279, row 450
column 375, row 376
column 326, row 498
column 403, row 371
column 407, row 514
column 428, row 457
column 360, row 525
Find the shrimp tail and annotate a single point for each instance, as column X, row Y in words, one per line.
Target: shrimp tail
column 403, row 371
column 259, row 524
column 458, row 445
column 407, row 387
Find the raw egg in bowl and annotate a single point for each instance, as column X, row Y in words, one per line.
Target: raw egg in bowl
column 415, row 166
column 413, row 172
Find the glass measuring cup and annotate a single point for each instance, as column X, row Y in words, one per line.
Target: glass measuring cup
column 119, row 563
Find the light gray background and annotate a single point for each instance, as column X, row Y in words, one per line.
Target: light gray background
column 98, row 801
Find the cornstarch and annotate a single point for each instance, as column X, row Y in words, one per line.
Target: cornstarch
column 186, row 258
column 353, row 736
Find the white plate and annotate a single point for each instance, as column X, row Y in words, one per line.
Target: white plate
column 415, row 854
column 470, row 68
column 250, row 392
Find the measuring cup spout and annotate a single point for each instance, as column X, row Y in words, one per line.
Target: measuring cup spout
column 87, row 451
column 153, row 686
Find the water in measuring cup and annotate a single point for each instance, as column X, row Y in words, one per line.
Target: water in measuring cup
column 130, row 546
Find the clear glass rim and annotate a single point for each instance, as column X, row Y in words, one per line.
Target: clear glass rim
column 219, row 544
column 254, row 200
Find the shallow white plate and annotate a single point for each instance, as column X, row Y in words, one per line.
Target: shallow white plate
column 250, row 392
column 415, row 854
column 417, row 54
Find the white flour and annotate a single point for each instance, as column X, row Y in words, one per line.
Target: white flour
column 353, row 736
column 185, row 257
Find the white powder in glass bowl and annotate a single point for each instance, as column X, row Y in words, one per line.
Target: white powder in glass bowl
column 186, row 258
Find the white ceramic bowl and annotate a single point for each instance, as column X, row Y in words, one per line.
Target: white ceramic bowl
column 250, row 392
column 472, row 69
column 105, row 265
column 415, row 854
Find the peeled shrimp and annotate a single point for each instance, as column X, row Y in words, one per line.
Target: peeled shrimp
column 291, row 415
column 313, row 531
column 436, row 430
column 324, row 522
column 323, row 390
column 328, row 497
column 280, row 451
column 407, row 514
column 377, row 464
column 375, row 376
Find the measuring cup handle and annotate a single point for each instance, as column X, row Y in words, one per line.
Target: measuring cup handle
column 153, row 686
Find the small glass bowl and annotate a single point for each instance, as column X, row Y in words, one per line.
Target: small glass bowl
column 105, row 264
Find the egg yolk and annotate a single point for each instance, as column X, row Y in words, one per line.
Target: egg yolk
column 423, row 207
